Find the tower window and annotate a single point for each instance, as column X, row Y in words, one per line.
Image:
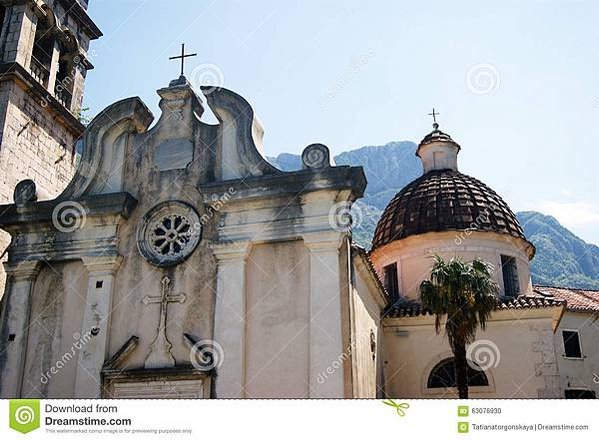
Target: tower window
column 41, row 57
column 391, row 281
column 509, row 268
column 64, row 82
column 571, row 344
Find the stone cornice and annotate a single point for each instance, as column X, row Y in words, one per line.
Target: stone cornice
column 80, row 14
column 13, row 216
column 285, row 183
column 72, row 7
column 233, row 251
column 320, row 242
column 22, row 270
column 102, row 264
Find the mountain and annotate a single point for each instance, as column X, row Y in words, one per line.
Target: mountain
column 562, row 259
column 388, row 168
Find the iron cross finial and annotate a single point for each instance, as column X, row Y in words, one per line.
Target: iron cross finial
column 434, row 114
column 182, row 57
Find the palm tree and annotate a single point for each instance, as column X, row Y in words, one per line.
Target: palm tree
column 466, row 294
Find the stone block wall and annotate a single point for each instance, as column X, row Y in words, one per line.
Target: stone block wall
column 18, row 35
column 32, row 146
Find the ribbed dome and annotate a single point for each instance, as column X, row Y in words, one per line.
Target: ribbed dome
column 445, row 200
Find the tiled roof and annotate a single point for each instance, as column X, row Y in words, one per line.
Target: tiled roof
column 408, row 309
column 445, row 200
column 578, row 300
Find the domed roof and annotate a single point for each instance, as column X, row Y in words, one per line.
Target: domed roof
column 437, row 136
column 445, row 200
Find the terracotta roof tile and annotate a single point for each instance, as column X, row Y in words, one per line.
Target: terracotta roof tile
column 445, row 200
column 578, row 300
column 408, row 309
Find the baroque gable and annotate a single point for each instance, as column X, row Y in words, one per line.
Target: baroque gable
column 179, row 235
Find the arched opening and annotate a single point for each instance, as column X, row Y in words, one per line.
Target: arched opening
column 67, row 63
column 41, row 57
column 443, row 376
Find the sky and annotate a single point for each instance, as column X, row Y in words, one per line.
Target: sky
column 515, row 82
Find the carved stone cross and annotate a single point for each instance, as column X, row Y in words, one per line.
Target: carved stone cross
column 160, row 350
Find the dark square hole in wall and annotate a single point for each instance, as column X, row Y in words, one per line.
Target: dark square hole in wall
column 99, row 284
column 11, row 337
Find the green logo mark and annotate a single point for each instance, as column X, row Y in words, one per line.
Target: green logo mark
column 24, row 415
column 462, row 411
column 399, row 407
column 463, row 427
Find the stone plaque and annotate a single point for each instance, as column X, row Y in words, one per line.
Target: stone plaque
column 174, row 154
column 159, row 389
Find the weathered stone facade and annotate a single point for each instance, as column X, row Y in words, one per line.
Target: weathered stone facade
column 181, row 238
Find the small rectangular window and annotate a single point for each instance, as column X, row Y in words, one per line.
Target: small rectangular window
column 571, row 344
column 391, row 281
column 509, row 268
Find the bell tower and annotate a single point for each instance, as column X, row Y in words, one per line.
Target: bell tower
column 44, row 60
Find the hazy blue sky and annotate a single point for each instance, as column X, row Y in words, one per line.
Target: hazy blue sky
column 516, row 82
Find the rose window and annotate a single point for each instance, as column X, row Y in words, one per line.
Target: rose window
column 169, row 233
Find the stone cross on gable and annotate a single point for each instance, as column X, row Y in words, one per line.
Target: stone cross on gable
column 160, row 350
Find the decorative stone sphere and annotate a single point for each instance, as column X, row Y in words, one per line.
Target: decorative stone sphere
column 25, row 192
column 316, row 156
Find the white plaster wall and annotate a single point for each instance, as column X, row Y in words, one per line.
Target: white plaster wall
column 58, row 291
column 579, row 373
column 526, row 365
column 278, row 321
column 414, row 256
column 366, row 317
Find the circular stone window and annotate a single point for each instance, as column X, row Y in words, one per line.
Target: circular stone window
column 169, row 233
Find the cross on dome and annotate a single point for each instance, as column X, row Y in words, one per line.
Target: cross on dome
column 434, row 114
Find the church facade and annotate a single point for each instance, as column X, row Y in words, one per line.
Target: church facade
column 178, row 263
